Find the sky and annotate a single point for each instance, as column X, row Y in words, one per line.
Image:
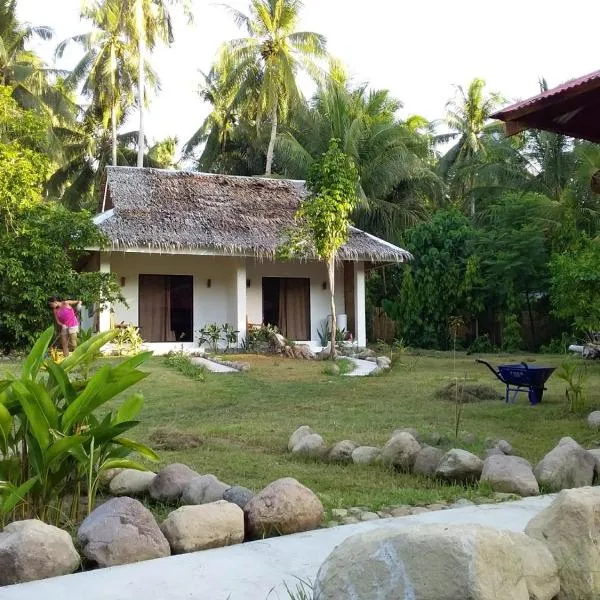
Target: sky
column 418, row 50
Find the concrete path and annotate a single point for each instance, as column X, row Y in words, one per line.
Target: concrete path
column 253, row 571
column 362, row 367
column 213, row 367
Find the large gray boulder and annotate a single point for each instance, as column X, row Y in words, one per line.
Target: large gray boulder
column 366, row 455
column 204, row 489
column 300, row 433
column 410, row 430
column 568, row 465
column 595, row 453
column 238, row 495
column 121, row 531
column 131, row 482
column 424, row 562
column 427, row 461
column 213, row 525
column 570, row 528
column 593, row 420
column 539, row 567
column 510, row 474
column 284, row 506
column 312, row 446
column 168, row 485
column 401, row 451
column 505, row 447
column 31, row 550
column 459, row 466
column 342, row 451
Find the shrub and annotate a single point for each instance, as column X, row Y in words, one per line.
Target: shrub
column 482, row 345
column 128, row 341
column 53, row 442
column 181, row 362
column 260, row 339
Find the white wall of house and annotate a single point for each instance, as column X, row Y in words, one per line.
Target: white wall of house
column 219, row 302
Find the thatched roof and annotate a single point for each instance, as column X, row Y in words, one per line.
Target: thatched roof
column 181, row 210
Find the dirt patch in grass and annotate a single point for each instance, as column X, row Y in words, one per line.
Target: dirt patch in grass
column 467, row 392
column 170, row 438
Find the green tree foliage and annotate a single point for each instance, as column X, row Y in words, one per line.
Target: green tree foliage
column 576, row 285
column 269, row 60
column 323, row 218
column 433, row 289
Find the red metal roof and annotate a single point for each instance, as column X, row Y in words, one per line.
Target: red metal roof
column 572, row 109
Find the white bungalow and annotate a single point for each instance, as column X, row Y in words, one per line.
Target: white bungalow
column 191, row 249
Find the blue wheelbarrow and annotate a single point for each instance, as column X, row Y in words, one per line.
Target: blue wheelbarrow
column 521, row 377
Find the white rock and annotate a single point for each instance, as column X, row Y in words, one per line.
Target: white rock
column 593, row 420
column 31, row 550
column 568, row 465
column 505, row 447
column 510, row 474
column 342, row 451
column 131, row 482
column 213, row 525
column 424, row 562
column 312, row 445
column 401, row 451
column 384, row 362
column 204, row 489
column 366, row 455
column 460, row 466
column 570, row 528
column 300, row 433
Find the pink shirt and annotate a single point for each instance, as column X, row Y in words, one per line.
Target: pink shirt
column 67, row 317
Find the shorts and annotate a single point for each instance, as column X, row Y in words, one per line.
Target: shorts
column 71, row 333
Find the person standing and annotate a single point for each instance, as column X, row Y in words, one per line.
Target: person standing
column 66, row 319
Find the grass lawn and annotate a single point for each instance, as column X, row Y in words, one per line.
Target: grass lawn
column 245, row 421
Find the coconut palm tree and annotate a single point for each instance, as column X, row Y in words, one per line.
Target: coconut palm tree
column 272, row 55
column 468, row 117
column 394, row 158
column 23, row 70
column 107, row 71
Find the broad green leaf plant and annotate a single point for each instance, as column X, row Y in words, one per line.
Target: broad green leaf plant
column 56, row 435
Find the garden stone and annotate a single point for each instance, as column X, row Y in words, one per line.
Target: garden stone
column 284, row 506
column 462, row 502
column 366, row 354
column 460, row 466
column 107, row 476
column 490, row 442
column 312, row 445
column 539, row 567
column 384, row 362
column 366, row 455
column 434, row 438
column 121, row 531
column 212, row 525
column 436, row 506
column 424, row 562
column 401, row 451
column 350, row 520
column 339, row 513
column 593, row 420
column 300, row 433
column 369, row 516
column 568, row 465
column 371, row 359
column 400, row 511
column 469, row 438
column 418, row 510
column 410, row 430
column 131, row 482
column 427, row 461
column 31, row 550
column 493, row 452
column 504, row 447
column 204, row 489
column 168, row 485
column 238, row 495
column 510, row 474
column 342, row 451
column 570, row 528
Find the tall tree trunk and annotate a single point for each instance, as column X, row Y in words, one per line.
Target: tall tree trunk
column 271, row 148
column 139, row 15
column 531, row 322
column 113, row 119
column 113, row 107
column 331, row 278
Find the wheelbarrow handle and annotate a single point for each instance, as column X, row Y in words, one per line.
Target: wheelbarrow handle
column 487, row 364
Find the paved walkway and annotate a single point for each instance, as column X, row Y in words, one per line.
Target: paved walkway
column 212, row 366
column 362, row 367
column 253, row 571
